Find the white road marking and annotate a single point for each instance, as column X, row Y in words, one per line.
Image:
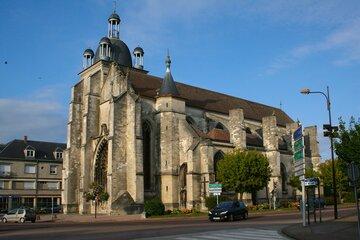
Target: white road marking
column 230, row 234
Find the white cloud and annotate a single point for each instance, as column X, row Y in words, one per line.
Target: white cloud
column 40, row 117
column 345, row 40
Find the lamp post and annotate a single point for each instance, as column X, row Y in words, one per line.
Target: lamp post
column 307, row 91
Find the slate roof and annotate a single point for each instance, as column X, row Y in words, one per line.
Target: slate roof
column 43, row 150
column 2, row 146
column 148, row 86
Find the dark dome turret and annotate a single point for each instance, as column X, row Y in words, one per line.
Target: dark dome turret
column 105, row 40
column 114, row 17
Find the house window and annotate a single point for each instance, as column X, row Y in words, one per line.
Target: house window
column 53, row 185
column 2, row 184
column 53, row 169
column 58, row 155
column 30, row 168
column 30, row 153
column 29, row 185
column 4, row 169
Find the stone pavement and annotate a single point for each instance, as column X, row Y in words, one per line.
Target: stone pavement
column 342, row 228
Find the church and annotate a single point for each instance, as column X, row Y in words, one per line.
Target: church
column 142, row 136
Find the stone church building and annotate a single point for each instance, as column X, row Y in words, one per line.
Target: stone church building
column 142, row 136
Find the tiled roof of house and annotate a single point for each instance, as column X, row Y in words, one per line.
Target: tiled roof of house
column 43, row 150
column 148, row 86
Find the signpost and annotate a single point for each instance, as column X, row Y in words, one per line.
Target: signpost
column 353, row 173
column 299, row 164
column 215, row 189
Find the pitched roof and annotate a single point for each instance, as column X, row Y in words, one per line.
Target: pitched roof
column 2, row 146
column 43, row 150
column 148, row 85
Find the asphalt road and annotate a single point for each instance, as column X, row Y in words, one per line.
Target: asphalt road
column 148, row 228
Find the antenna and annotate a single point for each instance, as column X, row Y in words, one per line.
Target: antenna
column 168, row 52
column 280, row 105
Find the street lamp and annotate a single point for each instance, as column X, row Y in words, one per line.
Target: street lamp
column 307, row 91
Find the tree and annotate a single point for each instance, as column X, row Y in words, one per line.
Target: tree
column 325, row 174
column 347, row 147
column 295, row 182
column 244, row 171
column 97, row 193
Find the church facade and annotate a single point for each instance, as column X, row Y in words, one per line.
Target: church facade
column 142, row 136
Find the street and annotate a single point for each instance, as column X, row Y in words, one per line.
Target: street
column 164, row 228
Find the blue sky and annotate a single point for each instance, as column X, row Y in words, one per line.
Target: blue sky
column 264, row 51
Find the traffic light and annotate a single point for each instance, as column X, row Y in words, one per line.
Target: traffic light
column 330, row 131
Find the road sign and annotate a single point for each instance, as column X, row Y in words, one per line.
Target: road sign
column 311, row 182
column 299, row 168
column 300, row 173
column 215, row 188
column 299, row 155
column 353, row 172
column 298, row 145
column 297, row 134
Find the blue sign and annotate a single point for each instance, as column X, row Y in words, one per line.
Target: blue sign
column 298, row 133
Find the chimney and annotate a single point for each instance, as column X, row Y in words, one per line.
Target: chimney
column 25, row 138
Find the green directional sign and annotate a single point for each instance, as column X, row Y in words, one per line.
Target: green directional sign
column 299, row 155
column 298, row 145
column 215, row 185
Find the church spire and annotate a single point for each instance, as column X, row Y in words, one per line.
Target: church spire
column 168, row 86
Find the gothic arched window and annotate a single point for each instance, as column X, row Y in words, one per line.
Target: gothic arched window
column 182, row 175
column 190, row 120
column 219, row 125
column 146, row 129
column 283, row 177
column 219, row 155
column 182, row 180
column 101, row 162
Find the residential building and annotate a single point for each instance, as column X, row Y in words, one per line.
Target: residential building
column 30, row 173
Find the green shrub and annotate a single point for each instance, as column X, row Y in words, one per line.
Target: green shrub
column 330, row 200
column 154, row 207
column 349, row 197
column 263, row 206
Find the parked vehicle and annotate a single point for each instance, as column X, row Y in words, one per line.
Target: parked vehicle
column 47, row 209
column 19, row 215
column 229, row 211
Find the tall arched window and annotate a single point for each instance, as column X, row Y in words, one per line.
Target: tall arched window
column 283, row 177
column 100, row 176
column 146, row 129
column 182, row 180
column 219, row 155
column 219, row 125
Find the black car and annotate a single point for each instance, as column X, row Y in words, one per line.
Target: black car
column 229, row 211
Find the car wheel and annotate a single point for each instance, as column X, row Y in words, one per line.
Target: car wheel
column 245, row 216
column 4, row 220
column 22, row 220
column 33, row 220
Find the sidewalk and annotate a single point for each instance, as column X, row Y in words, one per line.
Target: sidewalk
column 343, row 228
column 72, row 218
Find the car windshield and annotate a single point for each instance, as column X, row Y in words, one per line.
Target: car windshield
column 225, row 205
column 13, row 211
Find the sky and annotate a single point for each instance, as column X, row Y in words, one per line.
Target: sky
column 263, row 51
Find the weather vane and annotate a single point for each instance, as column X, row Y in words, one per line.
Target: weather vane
column 114, row 6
